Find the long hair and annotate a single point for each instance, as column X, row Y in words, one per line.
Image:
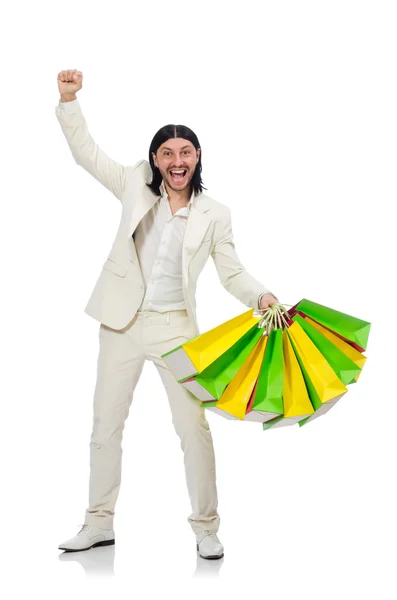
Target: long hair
column 164, row 134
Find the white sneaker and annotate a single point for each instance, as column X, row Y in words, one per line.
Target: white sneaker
column 209, row 545
column 89, row 537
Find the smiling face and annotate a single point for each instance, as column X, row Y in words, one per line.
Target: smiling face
column 177, row 154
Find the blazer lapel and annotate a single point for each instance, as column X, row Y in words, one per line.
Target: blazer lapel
column 196, row 227
column 148, row 201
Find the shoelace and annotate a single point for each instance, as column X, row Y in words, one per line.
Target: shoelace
column 208, row 532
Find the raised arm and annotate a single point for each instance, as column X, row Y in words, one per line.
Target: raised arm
column 85, row 151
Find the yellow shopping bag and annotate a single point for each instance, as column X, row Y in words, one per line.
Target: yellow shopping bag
column 297, row 405
column 321, row 380
column 238, row 392
column 194, row 356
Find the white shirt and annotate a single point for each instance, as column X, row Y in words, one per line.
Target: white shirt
column 158, row 241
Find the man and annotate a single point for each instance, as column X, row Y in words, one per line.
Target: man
column 145, row 302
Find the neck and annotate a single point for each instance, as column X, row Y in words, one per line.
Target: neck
column 179, row 198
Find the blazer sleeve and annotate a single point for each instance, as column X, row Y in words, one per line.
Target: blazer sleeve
column 86, row 152
column 232, row 274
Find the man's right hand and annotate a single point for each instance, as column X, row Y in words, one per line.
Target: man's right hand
column 69, row 82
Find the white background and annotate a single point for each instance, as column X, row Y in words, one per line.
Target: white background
column 294, row 105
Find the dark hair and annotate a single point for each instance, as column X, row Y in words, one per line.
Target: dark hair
column 164, row 134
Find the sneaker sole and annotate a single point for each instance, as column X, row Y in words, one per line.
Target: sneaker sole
column 211, row 557
column 104, row 543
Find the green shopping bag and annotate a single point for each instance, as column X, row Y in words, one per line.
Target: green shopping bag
column 343, row 366
column 355, row 330
column 267, row 400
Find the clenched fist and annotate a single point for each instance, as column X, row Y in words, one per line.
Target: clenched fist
column 70, row 82
column 267, row 300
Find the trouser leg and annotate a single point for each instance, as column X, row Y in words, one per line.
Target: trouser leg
column 120, row 363
column 191, row 425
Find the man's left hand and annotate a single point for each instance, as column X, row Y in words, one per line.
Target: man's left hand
column 267, row 300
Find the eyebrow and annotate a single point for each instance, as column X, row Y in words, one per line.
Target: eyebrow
column 187, row 146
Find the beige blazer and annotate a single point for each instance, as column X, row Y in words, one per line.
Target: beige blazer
column 119, row 290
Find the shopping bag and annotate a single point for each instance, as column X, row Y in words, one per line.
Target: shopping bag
column 210, row 384
column 343, row 366
column 353, row 330
column 296, row 401
column 266, row 401
column 355, row 356
column 322, row 383
column 195, row 355
column 281, row 368
column 233, row 402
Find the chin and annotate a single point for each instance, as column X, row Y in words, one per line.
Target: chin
column 171, row 184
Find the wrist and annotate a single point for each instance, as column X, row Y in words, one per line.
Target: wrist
column 259, row 300
column 68, row 97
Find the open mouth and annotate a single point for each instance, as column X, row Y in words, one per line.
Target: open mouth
column 178, row 174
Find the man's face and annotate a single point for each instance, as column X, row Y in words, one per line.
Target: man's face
column 177, row 154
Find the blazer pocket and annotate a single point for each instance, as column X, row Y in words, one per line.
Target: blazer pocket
column 115, row 268
column 205, row 247
column 203, row 244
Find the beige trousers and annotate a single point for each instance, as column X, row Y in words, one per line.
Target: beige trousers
column 122, row 355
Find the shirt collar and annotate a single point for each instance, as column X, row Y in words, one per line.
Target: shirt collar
column 164, row 194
